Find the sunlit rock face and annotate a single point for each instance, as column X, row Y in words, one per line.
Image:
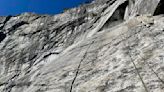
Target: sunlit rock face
column 103, row 46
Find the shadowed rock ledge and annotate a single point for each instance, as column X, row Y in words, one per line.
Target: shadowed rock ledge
column 103, row 46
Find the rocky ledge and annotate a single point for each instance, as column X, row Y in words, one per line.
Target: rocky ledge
column 103, row 46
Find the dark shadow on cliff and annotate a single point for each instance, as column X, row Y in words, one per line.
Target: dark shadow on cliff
column 160, row 8
column 117, row 17
column 2, row 36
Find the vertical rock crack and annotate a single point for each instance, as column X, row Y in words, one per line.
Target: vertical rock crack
column 78, row 68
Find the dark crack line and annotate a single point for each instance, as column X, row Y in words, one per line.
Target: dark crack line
column 139, row 75
column 5, row 21
column 154, row 38
column 46, row 56
column 2, row 84
column 14, row 27
column 78, row 68
column 77, row 72
column 152, row 70
column 156, row 74
column 146, row 89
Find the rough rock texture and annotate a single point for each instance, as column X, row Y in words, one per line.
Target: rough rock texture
column 104, row 46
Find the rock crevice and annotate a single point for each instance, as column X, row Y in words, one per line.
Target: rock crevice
column 101, row 46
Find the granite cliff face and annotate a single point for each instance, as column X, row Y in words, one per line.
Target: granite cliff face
column 104, row 46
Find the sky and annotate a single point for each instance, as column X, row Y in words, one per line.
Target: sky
column 14, row 7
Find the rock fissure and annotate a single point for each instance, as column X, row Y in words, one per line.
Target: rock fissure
column 162, row 81
column 2, row 36
column 5, row 21
column 14, row 27
column 138, row 73
column 156, row 74
column 78, row 68
column 83, row 49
